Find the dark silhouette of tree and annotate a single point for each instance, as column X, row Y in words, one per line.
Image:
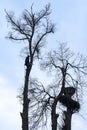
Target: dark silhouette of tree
column 70, row 71
column 32, row 27
column 71, row 105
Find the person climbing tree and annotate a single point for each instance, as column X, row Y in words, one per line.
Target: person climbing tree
column 27, row 61
column 33, row 29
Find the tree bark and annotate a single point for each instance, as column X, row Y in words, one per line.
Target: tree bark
column 67, row 121
column 54, row 116
column 26, row 100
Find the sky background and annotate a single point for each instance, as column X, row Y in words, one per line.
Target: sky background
column 70, row 18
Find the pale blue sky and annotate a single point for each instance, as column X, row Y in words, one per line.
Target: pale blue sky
column 70, row 17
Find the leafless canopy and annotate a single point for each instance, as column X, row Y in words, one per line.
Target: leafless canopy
column 32, row 27
column 69, row 70
column 40, row 107
column 65, row 63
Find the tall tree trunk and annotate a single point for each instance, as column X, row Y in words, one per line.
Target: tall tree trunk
column 69, row 115
column 26, row 100
column 54, row 116
column 67, row 120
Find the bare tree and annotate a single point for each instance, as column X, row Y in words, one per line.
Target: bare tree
column 32, row 27
column 70, row 71
column 40, row 105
